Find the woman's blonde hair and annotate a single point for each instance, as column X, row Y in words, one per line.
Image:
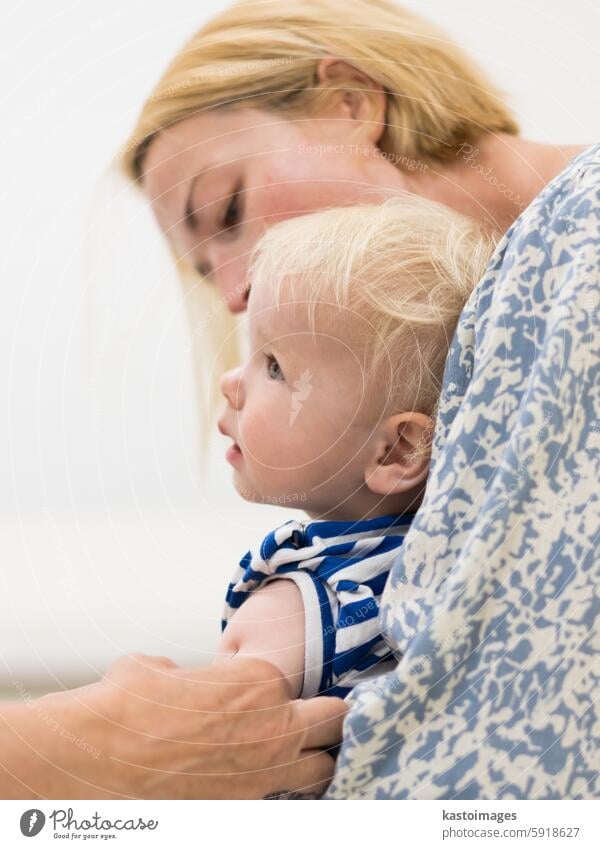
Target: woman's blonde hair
column 265, row 54
column 405, row 267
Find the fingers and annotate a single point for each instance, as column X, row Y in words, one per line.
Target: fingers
column 322, row 719
column 311, row 774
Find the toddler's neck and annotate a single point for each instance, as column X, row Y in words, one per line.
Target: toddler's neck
column 395, row 505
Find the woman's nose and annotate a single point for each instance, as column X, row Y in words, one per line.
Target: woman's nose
column 230, row 277
column 234, row 294
column 231, row 387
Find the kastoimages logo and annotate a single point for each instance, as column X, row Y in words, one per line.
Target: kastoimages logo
column 32, row 822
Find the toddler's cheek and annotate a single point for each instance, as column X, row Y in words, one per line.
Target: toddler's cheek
column 269, row 459
column 262, row 438
column 256, row 447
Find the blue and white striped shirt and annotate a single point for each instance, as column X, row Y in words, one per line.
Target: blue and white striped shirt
column 340, row 569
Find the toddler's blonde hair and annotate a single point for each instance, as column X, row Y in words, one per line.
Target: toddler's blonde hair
column 406, row 267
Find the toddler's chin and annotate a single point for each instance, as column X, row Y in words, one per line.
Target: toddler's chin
column 245, row 489
column 285, row 498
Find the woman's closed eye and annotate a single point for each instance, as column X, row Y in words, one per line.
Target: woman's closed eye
column 273, row 368
column 231, row 218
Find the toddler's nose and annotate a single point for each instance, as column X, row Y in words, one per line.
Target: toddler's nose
column 231, row 387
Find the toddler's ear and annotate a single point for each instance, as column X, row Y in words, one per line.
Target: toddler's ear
column 400, row 454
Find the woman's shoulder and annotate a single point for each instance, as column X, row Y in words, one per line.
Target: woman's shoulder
column 529, row 265
column 564, row 196
column 589, row 157
column 581, row 176
column 566, row 208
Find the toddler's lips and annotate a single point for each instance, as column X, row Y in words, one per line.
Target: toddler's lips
column 234, row 452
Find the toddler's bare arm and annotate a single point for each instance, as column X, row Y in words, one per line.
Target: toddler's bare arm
column 270, row 625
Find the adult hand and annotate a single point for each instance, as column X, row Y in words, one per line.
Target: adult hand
column 152, row 730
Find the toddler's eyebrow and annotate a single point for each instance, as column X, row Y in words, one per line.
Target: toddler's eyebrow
column 260, row 330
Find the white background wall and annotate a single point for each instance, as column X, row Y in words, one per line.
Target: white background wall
column 110, row 540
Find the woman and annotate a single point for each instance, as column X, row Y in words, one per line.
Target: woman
column 274, row 110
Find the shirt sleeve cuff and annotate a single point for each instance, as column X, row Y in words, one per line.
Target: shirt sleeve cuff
column 318, row 627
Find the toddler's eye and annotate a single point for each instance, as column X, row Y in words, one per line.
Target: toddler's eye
column 273, row 368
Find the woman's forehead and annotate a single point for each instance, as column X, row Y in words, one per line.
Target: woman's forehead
column 217, row 136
